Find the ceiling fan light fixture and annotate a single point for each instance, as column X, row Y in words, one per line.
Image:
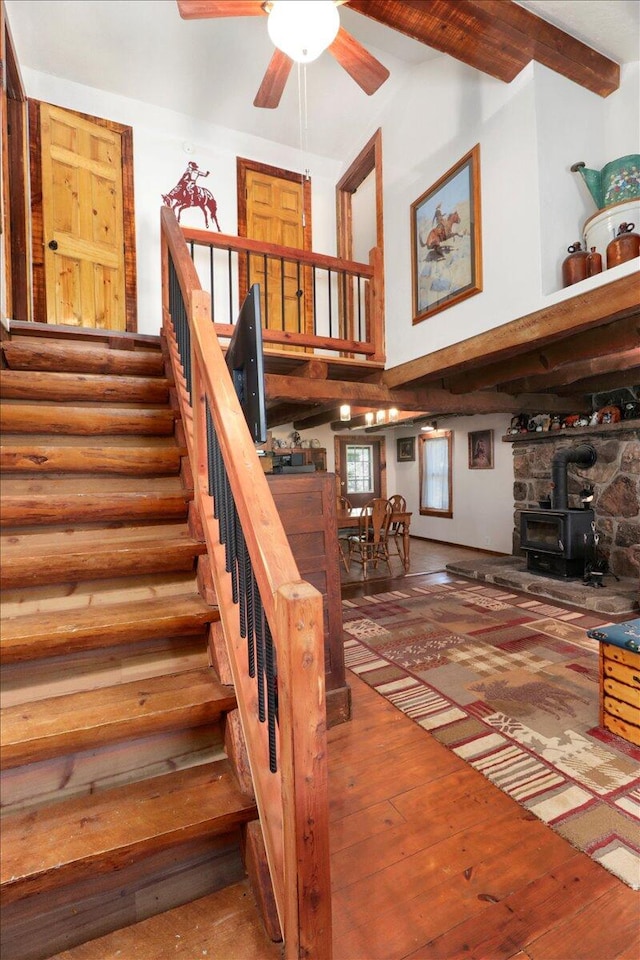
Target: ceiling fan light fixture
column 303, row 29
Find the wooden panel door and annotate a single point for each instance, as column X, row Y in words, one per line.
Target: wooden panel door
column 275, row 209
column 82, row 211
column 360, row 469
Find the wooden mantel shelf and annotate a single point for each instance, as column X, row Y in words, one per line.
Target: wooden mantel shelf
column 624, row 426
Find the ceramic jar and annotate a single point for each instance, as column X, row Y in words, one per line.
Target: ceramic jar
column 574, row 267
column 594, row 262
column 625, row 246
column 602, row 227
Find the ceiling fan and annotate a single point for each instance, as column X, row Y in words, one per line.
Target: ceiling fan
column 367, row 72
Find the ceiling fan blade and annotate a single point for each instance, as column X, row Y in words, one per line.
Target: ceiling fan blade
column 274, row 80
column 203, row 9
column 367, row 72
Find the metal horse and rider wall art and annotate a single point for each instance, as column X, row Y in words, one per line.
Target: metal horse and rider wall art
column 188, row 193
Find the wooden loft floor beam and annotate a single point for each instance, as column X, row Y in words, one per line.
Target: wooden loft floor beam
column 617, row 337
column 617, row 300
column 569, row 374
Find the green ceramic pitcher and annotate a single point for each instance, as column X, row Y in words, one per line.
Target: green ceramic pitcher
column 617, row 181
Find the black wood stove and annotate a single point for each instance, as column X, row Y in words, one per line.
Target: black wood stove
column 558, row 541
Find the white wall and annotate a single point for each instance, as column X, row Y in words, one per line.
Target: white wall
column 482, row 499
column 566, row 136
column 530, row 132
column 159, row 140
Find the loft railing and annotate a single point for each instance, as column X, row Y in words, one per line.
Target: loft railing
column 272, row 620
column 310, row 301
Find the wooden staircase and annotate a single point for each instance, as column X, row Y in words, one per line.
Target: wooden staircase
column 124, row 786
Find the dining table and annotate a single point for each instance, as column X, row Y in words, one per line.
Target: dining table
column 351, row 518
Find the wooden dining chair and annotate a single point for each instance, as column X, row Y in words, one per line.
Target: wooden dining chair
column 344, row 533
column 371, row 543
column 396, row 528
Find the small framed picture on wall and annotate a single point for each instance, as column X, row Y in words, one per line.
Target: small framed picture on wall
column 406, row 448
column 481, row 450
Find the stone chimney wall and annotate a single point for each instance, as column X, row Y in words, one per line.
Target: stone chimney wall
column 615, row 479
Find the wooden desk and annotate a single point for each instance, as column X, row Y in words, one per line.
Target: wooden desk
column 351, row 518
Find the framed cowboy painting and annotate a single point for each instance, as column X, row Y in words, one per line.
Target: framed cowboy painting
column 446, row 247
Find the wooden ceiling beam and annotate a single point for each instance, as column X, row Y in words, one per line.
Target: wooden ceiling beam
column 616, row 337
column 497, row 37
column 549, row 45
column 571, row 373
column 307, row 390
column 602, row 384
column 447, row 27
column 616, row 300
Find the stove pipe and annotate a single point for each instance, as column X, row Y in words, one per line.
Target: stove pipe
column 584, row 454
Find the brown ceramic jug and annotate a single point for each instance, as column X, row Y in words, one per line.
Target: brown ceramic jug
column 624, row 247
column 594, row 263
column 574, row 267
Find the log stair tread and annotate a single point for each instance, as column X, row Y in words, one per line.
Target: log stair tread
column 35, row 559
column 45, row 439
column 54, row 726
column 27, row 500
column 74, row 839
column 122, row 455
column 54, row 633
column 93, row 387
column 45, row 418
column 33, row 353
column 190, row 930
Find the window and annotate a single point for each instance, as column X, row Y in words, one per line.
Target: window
column 435, row 474
column 360, row 469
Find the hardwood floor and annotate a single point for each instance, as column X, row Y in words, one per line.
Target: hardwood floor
column 429, row 860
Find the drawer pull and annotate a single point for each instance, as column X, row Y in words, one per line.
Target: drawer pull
column 636, row 679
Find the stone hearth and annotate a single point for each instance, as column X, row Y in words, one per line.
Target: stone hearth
column 615, row 480
column 618, row 599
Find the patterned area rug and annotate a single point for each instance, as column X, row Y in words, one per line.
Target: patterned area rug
column 510, row 684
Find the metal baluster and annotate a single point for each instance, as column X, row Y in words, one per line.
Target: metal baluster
column 212, row 279
column 251, row 617
column 272, row 697
column 329, row 291
column 359, row 307
column 266, row 294
column 234, row 524
column 299, row 296
column 282, row 291
column 260, row 651
column 315, row 309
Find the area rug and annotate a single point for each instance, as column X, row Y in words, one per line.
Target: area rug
column 509, row 684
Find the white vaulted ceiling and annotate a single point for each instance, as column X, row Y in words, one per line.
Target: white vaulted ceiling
column 211, row 69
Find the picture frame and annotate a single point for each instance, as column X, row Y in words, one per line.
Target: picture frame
column 446, row 239
column 406, row 449
column 480, row 449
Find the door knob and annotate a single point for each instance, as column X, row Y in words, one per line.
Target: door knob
column 53, row 244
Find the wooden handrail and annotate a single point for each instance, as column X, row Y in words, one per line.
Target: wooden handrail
column 292, row 802
column 372, row 317
column 308, row 258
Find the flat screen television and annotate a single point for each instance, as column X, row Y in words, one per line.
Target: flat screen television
column 245, row 363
